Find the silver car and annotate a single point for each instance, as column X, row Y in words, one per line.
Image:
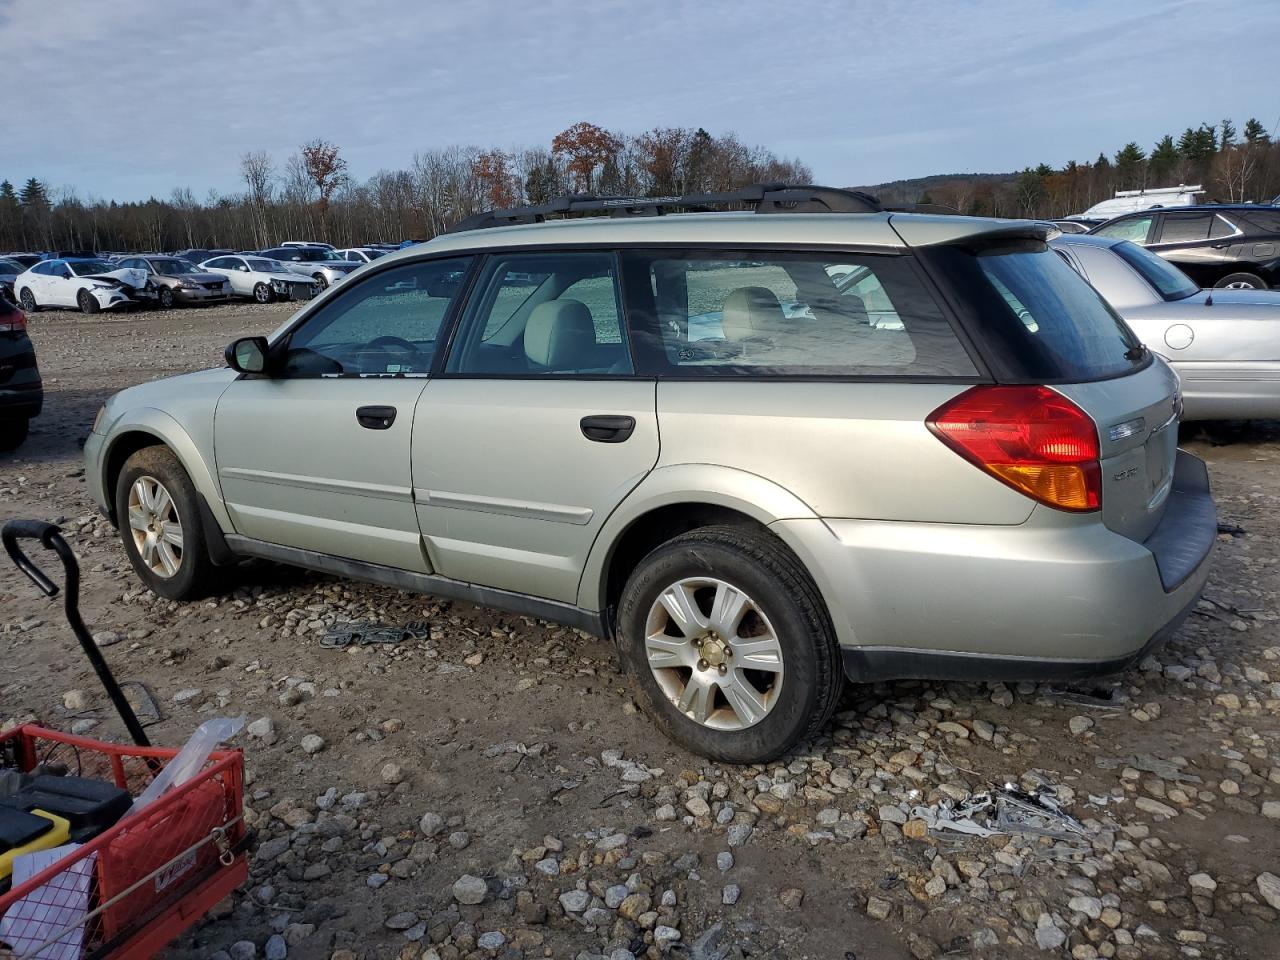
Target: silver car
column 1223, row 344
column 522, row 416
column 321, row 264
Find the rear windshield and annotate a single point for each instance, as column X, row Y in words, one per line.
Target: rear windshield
column 1170, row 282
column 1039, row 320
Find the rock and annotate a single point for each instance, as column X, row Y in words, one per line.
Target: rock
column 612, row 842
column 376, row 880
column 1271, row 809
column 724, row 861
column 1269, row 888
column 792, row 898
column 936, row 887
column 614, row 896
column 470, row 890
column 316, row 871
column 697, row 807
column 915, row 829
column 492, row 941
column 635, row 905
column 262, row 728
column 548, row 867
column 1079, row 724
column 431, row 824
column 891, row 814
column 768, row 804
column 191, row 696
column 575, row 901
column 312, row 744
column 106, row 638
column 401, row 921
column 664, row 936
column 77, row 700
column 730, row 893
column 878, row 909
column 1050, row 937
column 1091, row 907
column 276, row 948
column 738, row 834
column 665, row 813
column 459, row 839
column 243, row 950
column 392, row 773
column 1202, row 882
column 1155, row 807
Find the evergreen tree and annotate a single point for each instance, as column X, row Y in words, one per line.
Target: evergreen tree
column 1255, row 132
column 35, row 195
column 1162, row 162
column 1228, row 135
column 1130, row 166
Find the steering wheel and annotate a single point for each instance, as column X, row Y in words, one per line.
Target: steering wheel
column 390, row 341
column 380, row 345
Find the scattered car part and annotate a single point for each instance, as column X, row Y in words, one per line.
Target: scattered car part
column 343, row 635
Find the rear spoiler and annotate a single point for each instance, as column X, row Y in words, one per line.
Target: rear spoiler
column 968, row 232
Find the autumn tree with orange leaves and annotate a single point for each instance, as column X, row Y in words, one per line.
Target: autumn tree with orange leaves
column 498, row 184
column 584, row 147
column 325, row 168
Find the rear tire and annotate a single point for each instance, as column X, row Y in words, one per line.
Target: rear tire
column 783, row 618
column 263, row 293
column 87, row 302
column 13, row 433
column 1241, row 281
column 28, row 300
column 157, row 510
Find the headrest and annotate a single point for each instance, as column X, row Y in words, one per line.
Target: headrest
column 751, row 312
column 560, row 335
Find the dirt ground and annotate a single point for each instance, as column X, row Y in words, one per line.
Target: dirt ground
column 499, row 759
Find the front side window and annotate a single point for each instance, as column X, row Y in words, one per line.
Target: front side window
column 385, row 325
column 1185, row 227
column 544, row 314
column 1132, row 228
column 713, row 313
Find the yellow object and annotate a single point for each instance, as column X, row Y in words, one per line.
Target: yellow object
column 56, row 837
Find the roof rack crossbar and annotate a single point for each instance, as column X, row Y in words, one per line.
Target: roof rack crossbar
column 760, row 197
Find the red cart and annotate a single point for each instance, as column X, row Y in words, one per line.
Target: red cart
column 138, row 885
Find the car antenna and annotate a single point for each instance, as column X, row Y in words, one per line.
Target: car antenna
column 1208, row 301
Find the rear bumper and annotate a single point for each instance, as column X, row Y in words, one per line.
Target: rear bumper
column 1058, row 597
column 22, row 400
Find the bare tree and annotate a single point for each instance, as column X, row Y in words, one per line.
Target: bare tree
column 257, row 170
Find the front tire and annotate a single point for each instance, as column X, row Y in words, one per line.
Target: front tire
column 321, row 280
column 1241, row 281
column 157, row 510
column 87, row 302
column 28, row 301
column 167, row 299
column 728, row 644
column 263, row 293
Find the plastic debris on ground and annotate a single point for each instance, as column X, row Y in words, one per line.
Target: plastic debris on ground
column 1003, row 811
column 343, row 635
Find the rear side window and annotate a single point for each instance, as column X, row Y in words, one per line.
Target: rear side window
column 1038, row 319
column 1185, row 227
column 741, row 313
column 1131, row 228
column 1170, row 282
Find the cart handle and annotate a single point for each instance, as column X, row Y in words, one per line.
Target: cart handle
column 50, row 536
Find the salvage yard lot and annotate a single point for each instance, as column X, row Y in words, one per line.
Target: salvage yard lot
column 505, row 749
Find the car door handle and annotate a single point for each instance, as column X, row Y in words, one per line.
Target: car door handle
column 603, row 428
column 376, row 418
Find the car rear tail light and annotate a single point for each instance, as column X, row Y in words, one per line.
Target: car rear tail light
column 14, row 321
column 1031, row 438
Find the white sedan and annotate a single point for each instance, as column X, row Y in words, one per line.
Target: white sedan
column 91, row 285
column 262, row 279
column 362, row 254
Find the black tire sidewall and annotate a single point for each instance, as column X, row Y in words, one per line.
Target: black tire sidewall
column 13, row 433
column 86, row 302
column 1257, row 282
column 166, row 298
column 262, row 293
column 25, row 296
column 791, row 718
column 160, row 463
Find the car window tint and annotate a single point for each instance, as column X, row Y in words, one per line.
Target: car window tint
column 1184, row 227
column 789, row 315
column 385, row 325
column 544, row 314
column 1222, row 227
column 1134, row 228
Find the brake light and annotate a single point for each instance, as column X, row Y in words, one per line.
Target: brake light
column 1031, row 438
column 13, row 322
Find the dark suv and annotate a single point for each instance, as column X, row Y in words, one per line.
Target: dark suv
column 21, row 391
column 1216, row 245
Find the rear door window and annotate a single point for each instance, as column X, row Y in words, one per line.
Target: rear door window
column 1185, row 227
column 1038, row 319
column 709, row 313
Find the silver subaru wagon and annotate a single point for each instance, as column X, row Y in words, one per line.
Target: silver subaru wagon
column 764, row 453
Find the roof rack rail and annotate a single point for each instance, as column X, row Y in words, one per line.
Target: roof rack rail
column 760, row 197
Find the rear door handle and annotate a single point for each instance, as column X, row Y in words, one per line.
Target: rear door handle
column 376, row 418
column 604, row 428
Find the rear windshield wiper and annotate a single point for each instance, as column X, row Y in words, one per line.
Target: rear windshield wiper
column 1136, row 352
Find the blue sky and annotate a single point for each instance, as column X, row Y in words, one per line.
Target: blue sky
column 130, row 98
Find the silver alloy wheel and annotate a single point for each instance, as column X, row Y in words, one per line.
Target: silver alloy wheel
column 155, row 526
column 714, row 653
column 1241, row 285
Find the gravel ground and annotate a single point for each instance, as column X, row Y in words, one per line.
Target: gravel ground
column 490, row 790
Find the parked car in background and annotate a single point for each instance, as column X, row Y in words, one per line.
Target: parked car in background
column 308, row 243
column 262, row 279
column 197, row 256
column 1156, row 198
column 1223, row 344
column 21, row 391
column 89, row 284
column 1072, row 226
column 27, row 260
column 1216, row 245
column 180, row 281
column 363, row 254
column 521, row 417
column 321, row 264
column 10, row 270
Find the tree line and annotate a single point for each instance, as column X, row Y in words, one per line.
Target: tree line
column 1232, row 164
column 312, row 196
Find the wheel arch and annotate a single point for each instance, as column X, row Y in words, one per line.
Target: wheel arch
column 674, row 500
column 149, row 428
